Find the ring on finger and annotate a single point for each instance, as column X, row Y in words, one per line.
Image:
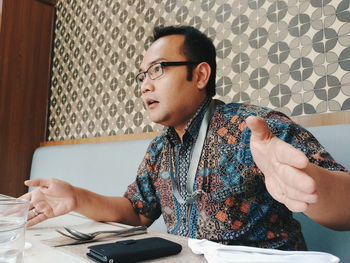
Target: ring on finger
column 35, row 211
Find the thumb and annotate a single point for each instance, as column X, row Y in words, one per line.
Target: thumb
column 258, row 126
column 39, row 182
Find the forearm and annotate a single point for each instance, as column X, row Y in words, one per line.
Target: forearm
column 332, row 208
column 106, row 208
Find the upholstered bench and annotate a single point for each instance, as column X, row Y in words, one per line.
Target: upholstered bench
column 107, row 168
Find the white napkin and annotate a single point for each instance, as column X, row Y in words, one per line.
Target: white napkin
column 218, row 253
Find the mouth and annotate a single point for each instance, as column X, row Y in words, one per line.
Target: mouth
column 151, row 103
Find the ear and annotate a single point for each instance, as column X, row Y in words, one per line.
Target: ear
column 202, row 74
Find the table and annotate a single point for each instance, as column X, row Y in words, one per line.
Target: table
column 38, row 237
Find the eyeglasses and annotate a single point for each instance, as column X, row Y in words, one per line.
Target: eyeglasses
column 155, row 71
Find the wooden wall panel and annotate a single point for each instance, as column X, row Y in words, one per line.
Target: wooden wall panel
column 0, row 13
column 25, row 59
column 334, row 118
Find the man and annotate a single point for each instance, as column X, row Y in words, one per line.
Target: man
column 217, row 172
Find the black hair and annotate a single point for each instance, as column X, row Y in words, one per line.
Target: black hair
column 197, row 47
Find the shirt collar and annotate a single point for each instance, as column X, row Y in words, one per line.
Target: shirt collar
column 192, row 127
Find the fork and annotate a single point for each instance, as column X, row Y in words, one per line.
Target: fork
column 77, row 235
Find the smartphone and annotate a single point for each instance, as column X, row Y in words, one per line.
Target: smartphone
column 133, row 250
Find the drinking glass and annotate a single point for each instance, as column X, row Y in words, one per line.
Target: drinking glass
column 13, row 217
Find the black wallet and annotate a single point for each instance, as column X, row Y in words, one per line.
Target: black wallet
column 127, row 251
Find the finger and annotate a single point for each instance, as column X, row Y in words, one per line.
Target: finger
column 288, row 154
column 296, row 206
column 44, row 208
column 32, row 213
column 36, row 220
column 258, row 126
column 284, row 193
column 31, row 205
column 297, row 179
column 296, row 195
column 291, row 204
column 40, row 208
column 28, row 196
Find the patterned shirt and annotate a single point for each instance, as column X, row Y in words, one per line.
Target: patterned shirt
column 234, row 207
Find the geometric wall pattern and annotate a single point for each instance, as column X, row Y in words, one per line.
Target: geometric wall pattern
column 289, row 55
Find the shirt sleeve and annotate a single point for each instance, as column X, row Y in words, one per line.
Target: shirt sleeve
column 302, row 139
column 142, row 192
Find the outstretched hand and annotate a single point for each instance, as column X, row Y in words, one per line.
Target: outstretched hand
column 283, row 167
column 52, row 198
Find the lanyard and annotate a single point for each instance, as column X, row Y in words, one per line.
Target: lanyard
column 197, row 150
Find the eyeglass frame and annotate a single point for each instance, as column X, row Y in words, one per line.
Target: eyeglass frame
column 163, row 64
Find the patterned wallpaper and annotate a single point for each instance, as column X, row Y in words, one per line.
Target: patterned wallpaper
column 290, row 55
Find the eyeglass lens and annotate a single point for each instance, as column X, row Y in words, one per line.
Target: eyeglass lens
column 154, row 71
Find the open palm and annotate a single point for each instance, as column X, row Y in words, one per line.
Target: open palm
column 52, row 198
column 283, row 167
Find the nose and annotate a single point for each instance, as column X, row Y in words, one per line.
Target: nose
column 147, row 85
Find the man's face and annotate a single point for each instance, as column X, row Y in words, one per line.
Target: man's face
column 170, row 100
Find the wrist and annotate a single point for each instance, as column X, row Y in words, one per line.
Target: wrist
column 78, row 199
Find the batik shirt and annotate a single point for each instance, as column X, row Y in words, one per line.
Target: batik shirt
column 234, row 207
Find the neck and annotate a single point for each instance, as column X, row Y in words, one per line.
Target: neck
column 180, row 129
